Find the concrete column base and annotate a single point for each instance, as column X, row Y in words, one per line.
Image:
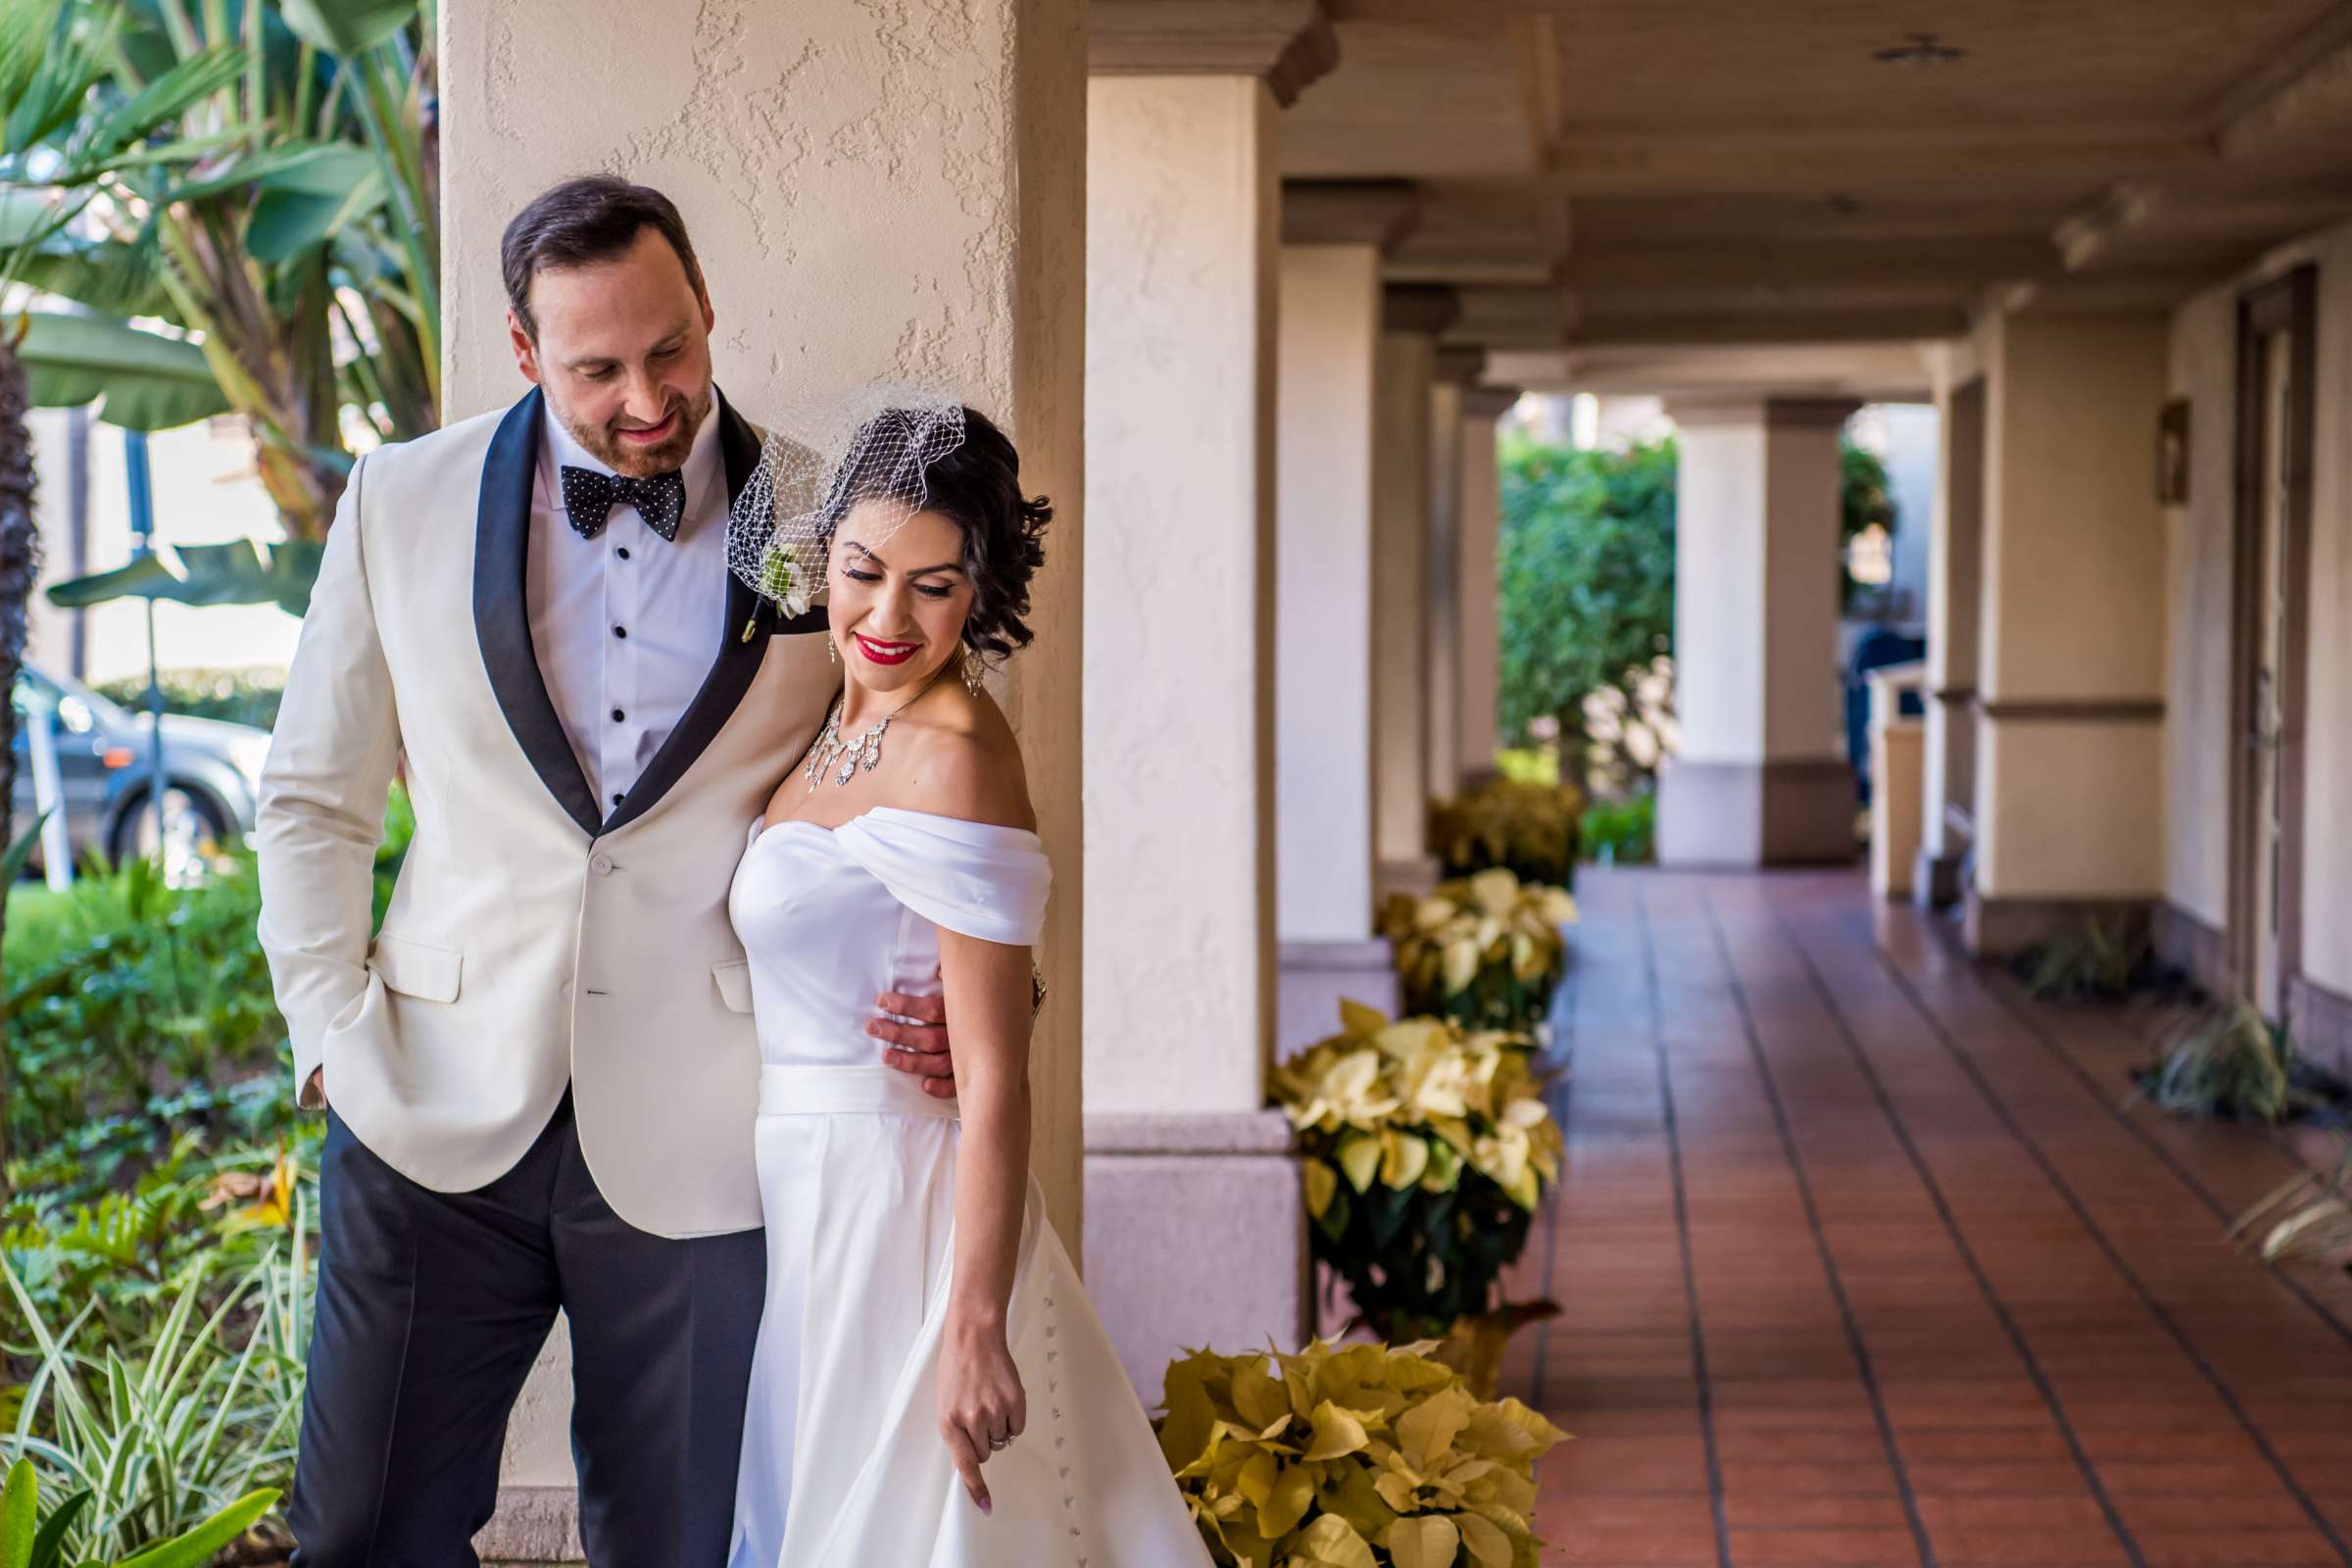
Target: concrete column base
column 1196, row 1235
column 1799, row 812
column 1418, row 876
column 1317, row 976
column 2001, row 928
column 1934, row 879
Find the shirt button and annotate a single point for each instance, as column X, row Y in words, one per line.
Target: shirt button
column 620, row 632
column 617, row 796
column 622, row 552
column 618, row 715
column 602, row 866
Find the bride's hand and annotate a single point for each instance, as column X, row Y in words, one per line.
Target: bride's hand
column 981, row 1406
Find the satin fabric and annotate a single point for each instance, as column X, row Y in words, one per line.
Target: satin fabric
column 842, row 1459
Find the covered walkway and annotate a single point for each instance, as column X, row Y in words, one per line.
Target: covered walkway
column 1863, row 1261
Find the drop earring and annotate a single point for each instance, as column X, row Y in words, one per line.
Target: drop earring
column 974, row 668
column 832, row 650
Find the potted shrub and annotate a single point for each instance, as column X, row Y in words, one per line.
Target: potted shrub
column 1485, row 950
column 1427, row 1148
column 1359, row 1457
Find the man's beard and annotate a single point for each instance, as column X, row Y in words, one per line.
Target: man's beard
column 634, row 459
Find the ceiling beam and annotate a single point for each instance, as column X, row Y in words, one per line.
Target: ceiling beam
column 2306, row 85
column 1780, row 264
column 1348, row 211
column 1616, row 163
column 1287, row 43
column 1666, row 328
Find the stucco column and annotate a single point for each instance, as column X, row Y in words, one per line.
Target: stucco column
column 2070, row 712
column 1453, row 373
column 1761, row 778
column 788, row 131
column 1183, row 247
column 1334, row 235
column 1404, row 372
column 1478, row 588
column 1955, row 575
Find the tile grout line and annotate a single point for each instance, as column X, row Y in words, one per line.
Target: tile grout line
column 2115, row 1259
column 2148, row 1140
column 1896, row 1122
column 1682, row 1231
column 1821, row 1245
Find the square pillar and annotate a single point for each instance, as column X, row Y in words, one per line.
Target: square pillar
column 1182, row 262
column 1955, row 575
column 2068, row 807
column 1442, row 593
column 1478, row 589
column 720, row 112
column 1762, row 777
column 1406, row 372
column 1330, row 334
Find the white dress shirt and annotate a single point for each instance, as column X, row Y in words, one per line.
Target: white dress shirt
column 627, row 624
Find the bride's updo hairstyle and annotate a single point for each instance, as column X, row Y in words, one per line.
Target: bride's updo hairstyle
column 976, row 486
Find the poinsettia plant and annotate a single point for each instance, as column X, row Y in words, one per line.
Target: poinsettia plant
column 1484, row 950
column 1427, row 1147
column 1352, row 1457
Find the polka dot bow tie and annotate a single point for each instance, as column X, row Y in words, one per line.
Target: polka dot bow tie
column 589, row 496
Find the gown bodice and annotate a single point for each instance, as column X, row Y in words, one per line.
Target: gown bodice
column 830, row 918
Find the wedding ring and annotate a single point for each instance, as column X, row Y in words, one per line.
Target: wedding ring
column 994, row 1444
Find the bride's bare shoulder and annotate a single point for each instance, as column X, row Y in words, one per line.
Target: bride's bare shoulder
column 963, row 760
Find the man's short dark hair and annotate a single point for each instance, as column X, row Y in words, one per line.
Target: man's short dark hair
column 592, row 218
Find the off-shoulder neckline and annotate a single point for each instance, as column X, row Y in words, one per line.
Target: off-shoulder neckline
column 761, row 827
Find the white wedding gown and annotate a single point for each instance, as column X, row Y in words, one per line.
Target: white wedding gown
column 843, row 1463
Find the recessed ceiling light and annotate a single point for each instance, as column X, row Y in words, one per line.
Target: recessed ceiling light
column 1922, row 49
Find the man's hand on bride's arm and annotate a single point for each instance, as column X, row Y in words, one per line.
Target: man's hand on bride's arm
column 920, row 1047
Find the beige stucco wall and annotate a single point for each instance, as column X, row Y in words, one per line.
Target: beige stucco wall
column 1182, row 243
column 800, row 137
column 2198, row 537
column 1330, row 330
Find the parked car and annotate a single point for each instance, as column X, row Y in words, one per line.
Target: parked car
column 211, row 772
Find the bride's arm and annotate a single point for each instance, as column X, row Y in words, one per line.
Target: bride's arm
column 980, row 1398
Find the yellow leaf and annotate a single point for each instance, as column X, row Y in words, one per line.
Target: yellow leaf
column 1360, row 1157
column 1427, row 1430
column 1402, row 1158
column 1428, row 1541
column 1338, row 1433
column 1355, row 1018
column 1292, row 1494
column 1461, row 965
column 1257, row 1398
column 1488, row 1545
column 1331, row 1541
column 1322, row 1184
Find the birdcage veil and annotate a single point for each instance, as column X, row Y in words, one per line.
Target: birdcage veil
column 871, row 451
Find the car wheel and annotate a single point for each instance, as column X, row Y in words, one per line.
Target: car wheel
column 193, row 830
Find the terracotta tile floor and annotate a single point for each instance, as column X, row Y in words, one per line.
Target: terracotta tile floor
column 1864, row 1261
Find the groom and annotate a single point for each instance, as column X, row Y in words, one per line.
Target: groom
column 540, row 1078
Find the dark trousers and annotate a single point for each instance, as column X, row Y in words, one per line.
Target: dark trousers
column 432, row 1307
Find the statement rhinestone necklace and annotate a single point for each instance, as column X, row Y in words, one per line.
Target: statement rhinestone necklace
column 859, row 750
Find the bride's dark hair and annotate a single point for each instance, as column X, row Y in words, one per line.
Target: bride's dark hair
column 977, row 486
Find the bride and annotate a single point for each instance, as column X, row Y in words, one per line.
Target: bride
column 930, row 1386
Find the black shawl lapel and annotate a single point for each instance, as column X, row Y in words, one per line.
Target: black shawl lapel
column 743, row 645
column 502, row 616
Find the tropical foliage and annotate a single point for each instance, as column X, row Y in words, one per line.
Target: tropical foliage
column 2304, row 1219
column 26, row 1542
column 19, row 566
column 1587, row 567
column 1528, row 828
column 254, row 177
column 1484, row 951
column 1352, row 1457
column 1427, row 1148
